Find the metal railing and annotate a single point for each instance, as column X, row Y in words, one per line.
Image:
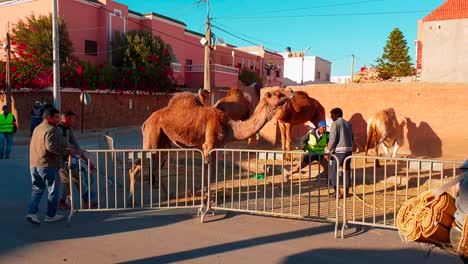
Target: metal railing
column 177, row 67
column 380, row 186
column 252, row 181
column 150, row 179
column 214, row 68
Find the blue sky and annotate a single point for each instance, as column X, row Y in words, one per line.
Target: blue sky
column 334, row 29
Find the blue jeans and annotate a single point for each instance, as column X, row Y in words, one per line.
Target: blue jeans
column 34, row 123
column 333, row 167
column 84, row 180
column 8, row 139
column 42, row 178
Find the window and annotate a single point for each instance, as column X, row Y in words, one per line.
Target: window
column 277, row 74
column 188, row 62
column 91, row 47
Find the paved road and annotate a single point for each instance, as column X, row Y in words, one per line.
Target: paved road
column 177, row 236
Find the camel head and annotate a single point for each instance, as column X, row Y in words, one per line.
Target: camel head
column 276, row 99
column 204, row 97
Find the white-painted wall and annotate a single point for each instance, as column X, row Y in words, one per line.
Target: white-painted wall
column 445, row 51
column 310, row 66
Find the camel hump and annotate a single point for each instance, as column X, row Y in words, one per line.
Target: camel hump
column 184, row 99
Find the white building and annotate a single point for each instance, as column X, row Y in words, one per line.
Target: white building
column 443, row 43
column 306, row 70
column 341, row 79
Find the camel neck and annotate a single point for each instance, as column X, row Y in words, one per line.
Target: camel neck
column 245, row 129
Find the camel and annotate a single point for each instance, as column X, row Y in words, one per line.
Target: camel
column 383, row 128
column 204, row 96
column 298, row 110
column 186, row 122
column 237, row 107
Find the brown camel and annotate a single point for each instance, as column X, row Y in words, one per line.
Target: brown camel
column 186, row 122
column 237, row 107
column 204, row 96
column 296, row 111
column 383, row 128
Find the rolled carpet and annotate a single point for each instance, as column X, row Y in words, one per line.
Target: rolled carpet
column 426, row 218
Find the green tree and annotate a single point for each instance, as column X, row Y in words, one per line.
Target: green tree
column 33, row 36
column 248, row 77
column 395, row 61
column 147, row 61
column 31, row 41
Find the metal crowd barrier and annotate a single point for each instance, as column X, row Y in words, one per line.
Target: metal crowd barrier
column 163, row 178
column 380, row 186
column 252, row 181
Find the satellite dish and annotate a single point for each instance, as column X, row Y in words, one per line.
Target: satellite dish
column 221, row 41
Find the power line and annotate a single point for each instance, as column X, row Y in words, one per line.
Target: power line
column 325, row 15
column 320, row 6
column 244, row 39
column 247, row 36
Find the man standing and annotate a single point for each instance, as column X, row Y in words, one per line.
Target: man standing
column 315, row 142
column 46, row 152
column 341, row 145
column 36, row 115
column 7, row 128
column 68, row 119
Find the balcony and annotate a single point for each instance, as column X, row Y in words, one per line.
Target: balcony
column 176, row 67
column 221, row 75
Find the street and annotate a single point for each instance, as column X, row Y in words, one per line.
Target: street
column 178, row 236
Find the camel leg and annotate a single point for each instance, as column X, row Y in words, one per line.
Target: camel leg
column 132, row 174
column 288, row 136
column 395, row 149
column 283, row 134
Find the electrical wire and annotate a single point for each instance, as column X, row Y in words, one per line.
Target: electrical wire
column 323, row 15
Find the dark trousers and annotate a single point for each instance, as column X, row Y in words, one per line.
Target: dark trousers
column 333, row 167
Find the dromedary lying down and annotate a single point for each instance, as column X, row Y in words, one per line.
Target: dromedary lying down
column 186, row 122
column 383, row 128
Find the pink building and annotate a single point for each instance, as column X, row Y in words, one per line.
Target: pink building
column 94, row 25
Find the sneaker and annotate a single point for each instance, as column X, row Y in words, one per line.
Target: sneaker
column 33, row 219
column 54, row 218
column 63, row 205
column 94, row 205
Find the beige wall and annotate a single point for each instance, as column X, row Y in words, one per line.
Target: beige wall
column 444, row 51
column 106, row 110
column 437, row 114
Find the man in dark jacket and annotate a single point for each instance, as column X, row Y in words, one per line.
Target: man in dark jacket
column 45, row 154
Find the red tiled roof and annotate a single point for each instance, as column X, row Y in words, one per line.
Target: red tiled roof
column 450, row 9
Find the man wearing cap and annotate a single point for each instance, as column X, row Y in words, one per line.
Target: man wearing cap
column 315, row 142
column 7, row 128
column 36, row 115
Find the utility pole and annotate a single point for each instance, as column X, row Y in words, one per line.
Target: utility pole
column 8, row 78
column 207, row 70
column 56, row 56
column 302, row 65
column 352, row 68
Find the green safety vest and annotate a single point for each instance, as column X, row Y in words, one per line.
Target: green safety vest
column 6, row 124
column 314, row 146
